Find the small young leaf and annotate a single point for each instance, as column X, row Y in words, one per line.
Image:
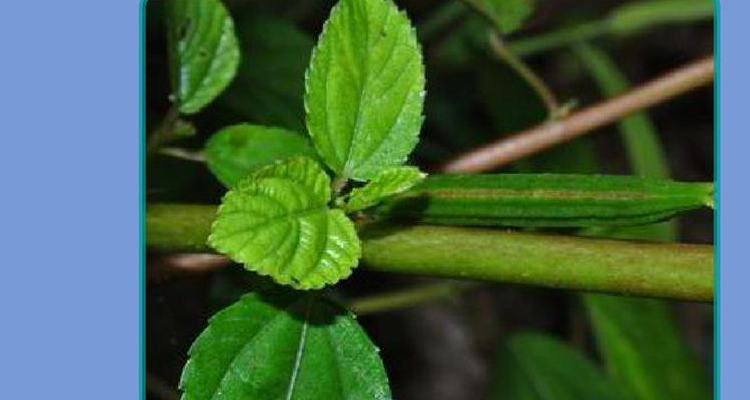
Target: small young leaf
column 535, row 366
column 235, row 151
column 507, row 15
column 277, row 223
column 203, row 52
column 365, row 89
column 389, row 182
column 291, row 346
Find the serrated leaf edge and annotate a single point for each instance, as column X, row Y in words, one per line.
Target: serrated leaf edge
column 355, row 245
column 414, row 140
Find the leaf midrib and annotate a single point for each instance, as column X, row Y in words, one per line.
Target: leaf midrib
column 300, row 350
column 275, row 219
column 277, row 318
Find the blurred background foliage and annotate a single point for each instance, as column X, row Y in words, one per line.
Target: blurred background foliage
column 486, row 60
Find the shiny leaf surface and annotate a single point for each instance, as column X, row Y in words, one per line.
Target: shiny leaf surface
column 388, row 183
column 292, row 346
column 203, row 52
column 277, row 223
column 365, row 89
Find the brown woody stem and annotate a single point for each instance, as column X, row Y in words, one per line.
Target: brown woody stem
column 549, row 134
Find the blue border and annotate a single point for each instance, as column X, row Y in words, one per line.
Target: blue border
column 69, row 200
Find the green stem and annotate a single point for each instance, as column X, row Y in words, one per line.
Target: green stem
column 179, row 227
column 507, row 55
column 406, row 298
column 536, row 83
column 559, row 38
column 676, row 271
column 184, row 154
column 629, row 19
column 338, row 184
column 163, row 132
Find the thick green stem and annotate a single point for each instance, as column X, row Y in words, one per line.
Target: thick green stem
column 676, row 271
column 179, row 227
column 636, row 268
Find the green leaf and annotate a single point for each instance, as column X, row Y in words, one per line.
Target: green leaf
column 637, row 16
column 545, row 200
column 389, row 182
column 235, row 151
column 203, row 52
column 507, row 15
column 290, row 346
column 365, row 89
column 535, row 366
column 643, row 348
column 277, row 223
column 270, row 82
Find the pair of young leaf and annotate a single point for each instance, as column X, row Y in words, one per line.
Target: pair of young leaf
column 364, row 94
column 278, row 222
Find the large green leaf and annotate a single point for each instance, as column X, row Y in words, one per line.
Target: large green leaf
column 507, row 15
column 535, row 366
column 270, row 82
column 365, row 89
column 284, row 346
column 389, row 182
column 235, row 151
column 277, row 223
column 203, row 52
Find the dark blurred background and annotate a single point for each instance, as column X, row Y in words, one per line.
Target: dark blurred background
column 443, row 350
